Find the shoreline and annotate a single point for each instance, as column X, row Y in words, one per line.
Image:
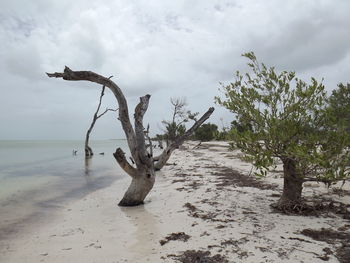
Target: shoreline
column 197, row 204
column 25, row 208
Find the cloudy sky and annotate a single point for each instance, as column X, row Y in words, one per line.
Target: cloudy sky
column 158, row 47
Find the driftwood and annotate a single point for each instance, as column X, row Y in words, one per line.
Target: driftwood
column 142, row 171
column 88, row 150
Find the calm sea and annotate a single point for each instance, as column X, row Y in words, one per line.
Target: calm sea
column 37, row 177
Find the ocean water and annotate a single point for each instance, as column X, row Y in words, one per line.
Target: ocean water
column 39, row 177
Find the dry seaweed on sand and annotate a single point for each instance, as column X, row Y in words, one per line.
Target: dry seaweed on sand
column 230, row 177
column 331, row 236
column 198, row 256
column 175, row 236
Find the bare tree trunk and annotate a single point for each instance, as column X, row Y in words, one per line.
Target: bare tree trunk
column 88, row 150
column 143, row 175
column 292, row 186
column 139, row 188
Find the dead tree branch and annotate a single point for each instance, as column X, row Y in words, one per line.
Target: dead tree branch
column 150, row 144
column 88, row 150
column 71, row 75
column 143, row 173
column 165, row 155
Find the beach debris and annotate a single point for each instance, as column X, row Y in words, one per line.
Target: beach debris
column 190, row 207
column 315, row 206
column 175, row 236
column 230, row 177
column 205, row 233
column 198, row 256
column 197, row 146
column 206, row 215
column 94, row 244
column 72, row 231
column 90, row 245
column 333, row 237
column 326, row 234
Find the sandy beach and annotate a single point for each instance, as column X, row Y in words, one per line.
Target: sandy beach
column 204, row 208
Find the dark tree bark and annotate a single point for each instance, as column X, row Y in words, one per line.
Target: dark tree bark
column 88, row 150
column 142, row 171
column 293, row 185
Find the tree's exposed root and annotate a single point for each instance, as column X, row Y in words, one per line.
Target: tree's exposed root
column 313, row 207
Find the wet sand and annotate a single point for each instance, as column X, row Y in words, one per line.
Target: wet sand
column 200, row 207
column 32, row 195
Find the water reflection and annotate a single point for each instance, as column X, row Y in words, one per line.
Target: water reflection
column 88, row 162
column 147, row 232
column 51, row 187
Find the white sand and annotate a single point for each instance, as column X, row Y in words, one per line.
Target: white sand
column 95, row 229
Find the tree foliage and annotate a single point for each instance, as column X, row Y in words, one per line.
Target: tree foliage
column 180, row 115
column 173, row 130
column 281, row 116
column 207, row 132
column 241, row 126
column 339, row 106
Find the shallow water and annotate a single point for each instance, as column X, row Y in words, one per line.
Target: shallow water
column 37, row 177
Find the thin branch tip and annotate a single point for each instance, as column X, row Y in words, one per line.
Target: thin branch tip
column 54, row 75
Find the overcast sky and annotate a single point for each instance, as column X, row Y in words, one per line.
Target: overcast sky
column 158, row 47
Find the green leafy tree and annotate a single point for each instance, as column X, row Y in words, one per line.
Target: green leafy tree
column 339, row 106
column 241, row 126
column 287, row 121
column 180, row 115
column 173, row 130
column 206, row 132
column 222, row 135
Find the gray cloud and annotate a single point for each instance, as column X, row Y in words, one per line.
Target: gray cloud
column 163, row 48
column 308, row 38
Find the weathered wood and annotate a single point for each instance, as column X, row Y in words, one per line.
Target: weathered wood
column 119, row 155
column 143, row 175
column 71, row 75
column 150, row 144
column 140, row 110
column 138, row 189
column 165, row 155
column 88, row 150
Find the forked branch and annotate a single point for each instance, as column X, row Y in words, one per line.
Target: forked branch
column 71, row 75
column 165, row 155
column 88, row 150
column 119, row 155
